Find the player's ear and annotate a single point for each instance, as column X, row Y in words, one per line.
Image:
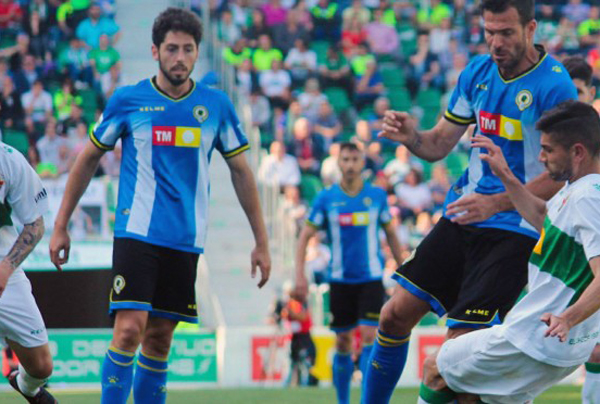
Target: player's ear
column 154, row 52
column 530, row 28
column 593, row 93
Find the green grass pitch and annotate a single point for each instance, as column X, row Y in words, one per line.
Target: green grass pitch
column 557, row 395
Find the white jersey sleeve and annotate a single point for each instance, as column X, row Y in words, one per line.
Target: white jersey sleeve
column 586, row 218
column 25, row 192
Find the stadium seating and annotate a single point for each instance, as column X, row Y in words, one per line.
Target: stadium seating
column 16, row 139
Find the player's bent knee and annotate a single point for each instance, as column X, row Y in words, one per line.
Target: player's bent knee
column 157, row 345
column 401, row 313
column 127, row 336
column 41, row 366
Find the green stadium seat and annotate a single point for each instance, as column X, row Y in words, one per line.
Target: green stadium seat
column 456, row 163
column 366, row 113
column 393, row 78
column 17, row 139
column 320, row 48
column 408, row 39
column 430, row 118
column 338, row 98
column 310, row 186
column 400, row 99
column 430, row 98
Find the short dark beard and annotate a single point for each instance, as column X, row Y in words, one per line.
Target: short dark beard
column 175, row 82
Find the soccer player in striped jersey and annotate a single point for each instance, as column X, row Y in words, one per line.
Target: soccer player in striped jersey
column 169, row 126
column 553, row 330
column 472, row 266
column 581, row 73
column 352, row 213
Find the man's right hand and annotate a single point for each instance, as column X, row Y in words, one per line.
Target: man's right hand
column 399, row 127
column 60, row 244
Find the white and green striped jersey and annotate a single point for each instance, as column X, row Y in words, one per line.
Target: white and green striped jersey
column 559, row 272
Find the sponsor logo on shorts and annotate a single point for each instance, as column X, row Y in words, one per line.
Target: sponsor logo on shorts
column 585, row 338
column 118, row 284
column 37, row 332
column 477, row 312
column 177, row 136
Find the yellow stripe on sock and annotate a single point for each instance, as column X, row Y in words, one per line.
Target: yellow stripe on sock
column 125, row 364
column 140, row 364
column 154, row 358
column 120, row 352
column 392, row 340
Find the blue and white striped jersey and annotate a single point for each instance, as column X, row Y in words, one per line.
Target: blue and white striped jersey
column 167, row 146
column 352, row 224
column 506, row 111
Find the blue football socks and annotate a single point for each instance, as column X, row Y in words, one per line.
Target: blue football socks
column 117, row 376
column 343, row 367
column 150, row 382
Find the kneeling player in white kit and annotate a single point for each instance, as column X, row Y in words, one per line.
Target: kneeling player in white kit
column 22, row 197
column 519, row 359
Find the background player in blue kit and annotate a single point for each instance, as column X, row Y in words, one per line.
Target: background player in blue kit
column 473, row 265
column 353, row 213
column 169, row 127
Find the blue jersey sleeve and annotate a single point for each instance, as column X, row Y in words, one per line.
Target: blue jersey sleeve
column 111, row 125
column 318, row 214
column 460, row 108
column 231, row 139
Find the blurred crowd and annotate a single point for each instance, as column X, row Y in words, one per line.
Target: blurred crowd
column 58, row 66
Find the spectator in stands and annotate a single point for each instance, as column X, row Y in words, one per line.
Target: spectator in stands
column 64, row 99
column 413, row 195
column 327, row 125
column 432, row 14
column 381, row 37
column 11, row 109
column 265, row 55
column 16, row 54
column 73, row 61
column 388, row 14
column 364, row 135
column 10, row 17
column 311, row 99
column 91, row 29
column 301, row 62
column 293, row 208
column 285, row 35
column 353, row 35
column 373, row 160
column 111, row 161
column 37, row 30
column 103, row 58
column 425, row 68
column 335, row 72
column 275, row 13
column 260, row 111
column 576, row 11
column 397, row 169
column 241, row 12
column 360, row 59
column 4, row 73
column 326, row 20
column 304, row 15
column 306, row 147
column 246, row 77
column 566, row 39
column 356, row 12
column 228, row 31
column 547, row 24
column 284, row 121
column 317, row 260
column 330, row 168
column 439, row 185
column 589, row 30
column 111, row 81
column 70, row 13
column 440, row 36
column 275, row 84
column 50, row 144
column 68, row 127
column 37, row 104
column 237, row 53
column 369, row 86
column 278, row 168
column 257, row 28
column 381, row 105
column 77, row 140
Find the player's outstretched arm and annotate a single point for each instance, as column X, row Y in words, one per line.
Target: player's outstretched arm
column 587, row 304
column 532, row 208
column 301, row 282
column 431, row 145
column 247, row 193
column 394, row 243
column 32, row 233
column 79, row 178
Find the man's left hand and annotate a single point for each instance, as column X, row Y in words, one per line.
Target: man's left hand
column 260, row 258
column 557, row 326
column 473, row 208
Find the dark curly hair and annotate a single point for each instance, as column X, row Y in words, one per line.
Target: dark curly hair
column 525, row 8
column 178, row 20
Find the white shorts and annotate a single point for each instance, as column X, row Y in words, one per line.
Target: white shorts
column 20, row 318
column 483, row 362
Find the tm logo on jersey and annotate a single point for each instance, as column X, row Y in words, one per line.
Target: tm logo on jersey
column 500, row 125
column 178, row 136
column 354, row 219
